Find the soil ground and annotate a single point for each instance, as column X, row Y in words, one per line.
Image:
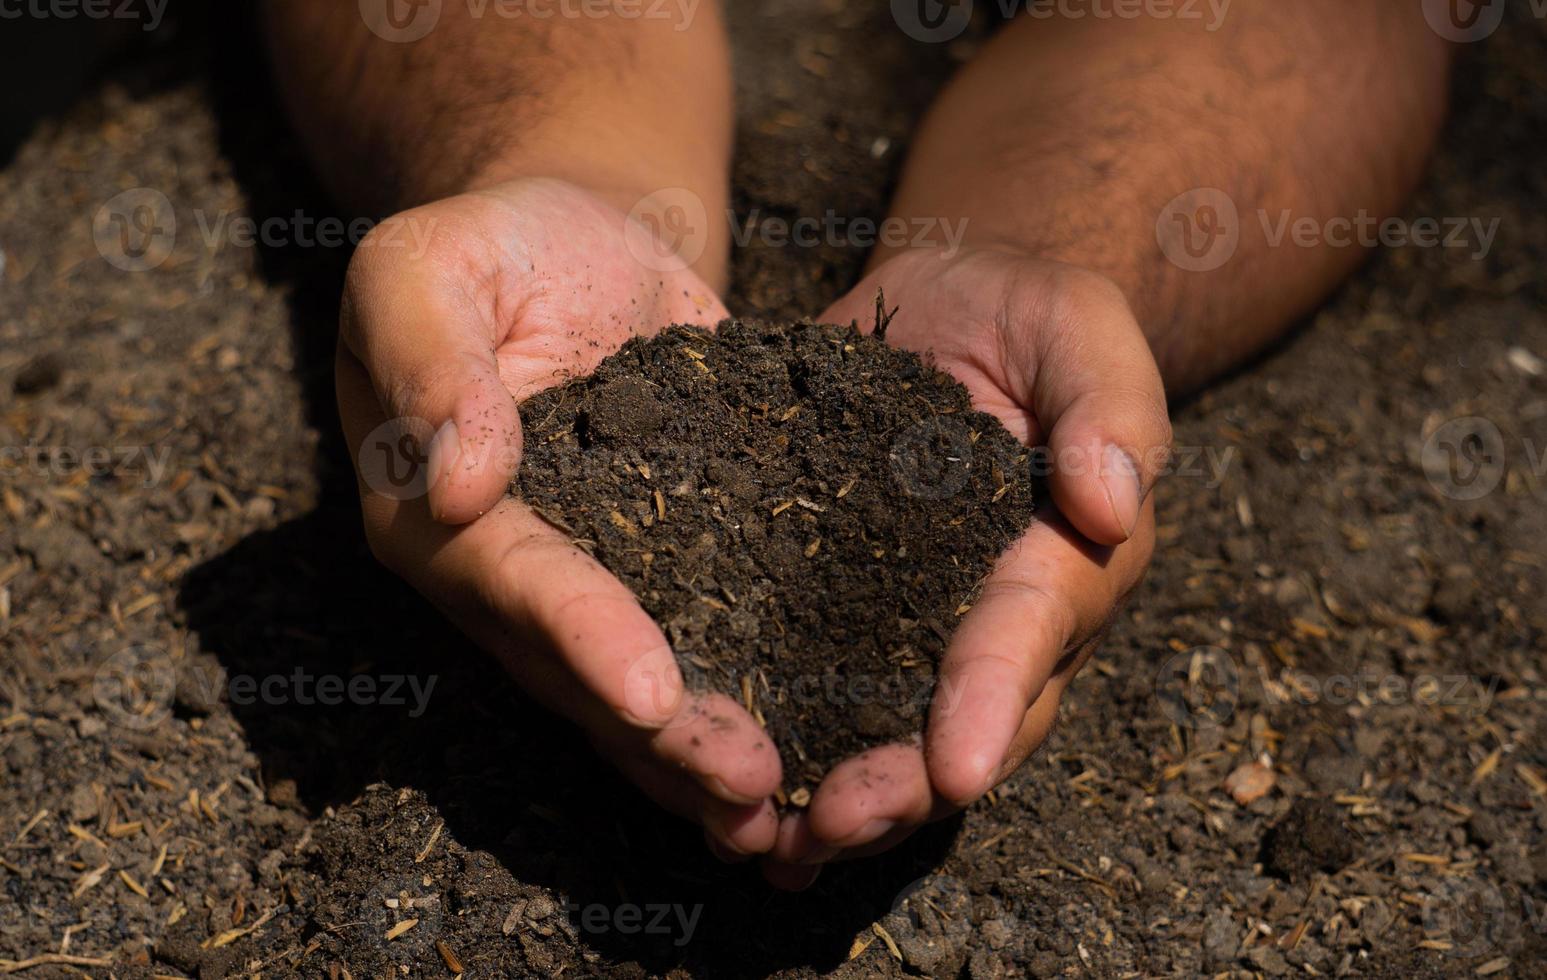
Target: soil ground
column 1371, row 625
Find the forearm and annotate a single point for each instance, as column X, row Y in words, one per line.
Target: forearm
column 621, row 105
column 1068, row 138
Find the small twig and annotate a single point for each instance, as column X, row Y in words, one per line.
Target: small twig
column 883, row 318
column 430, row 844
column 52, row 959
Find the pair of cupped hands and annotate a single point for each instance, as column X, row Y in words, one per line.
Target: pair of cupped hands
column 455, row 311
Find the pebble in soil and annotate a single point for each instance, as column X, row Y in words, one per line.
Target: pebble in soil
column 805, row 510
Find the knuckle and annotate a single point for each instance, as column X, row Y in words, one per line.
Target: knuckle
column 499, row 584
column 397, row 258
column 372, row 264
column 1056, row 614
column 1074, row 293
column 407, row 387
column 510, row 584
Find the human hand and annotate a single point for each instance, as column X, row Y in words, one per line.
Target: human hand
column 1054, row 352
column 452, row 312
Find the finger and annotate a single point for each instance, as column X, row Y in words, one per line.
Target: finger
column 775, row 870
column 797, row 844
column 882, row 794
column 870, row 795
column 428, row 341
column 1038, row 724
column 597, row 631
column 742, row 829
column 723, row 853
column 733, row 832
column 1050, row 589
column 511, row 578
column 564, row 627
column 1096, row 392
column 1040, row 719
column 714, row 736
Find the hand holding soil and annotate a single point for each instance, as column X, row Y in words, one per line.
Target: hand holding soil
column 1055, row 354
column 523, row 286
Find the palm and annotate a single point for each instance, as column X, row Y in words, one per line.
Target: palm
column 570, row 280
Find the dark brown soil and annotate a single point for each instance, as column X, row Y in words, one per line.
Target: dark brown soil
column 805, row 509
column 1320, row 550
column 1311, row 837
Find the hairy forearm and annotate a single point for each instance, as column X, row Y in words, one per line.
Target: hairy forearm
column 622, row 104
column 1069, row 139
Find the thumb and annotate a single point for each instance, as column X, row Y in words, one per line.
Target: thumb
column 428, row 342
column 1099, row 397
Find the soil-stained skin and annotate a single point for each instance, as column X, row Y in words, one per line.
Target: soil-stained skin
column 805, row 510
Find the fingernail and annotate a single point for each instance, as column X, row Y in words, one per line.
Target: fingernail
column 872, row 831
column 717, row 836
column 1121, row 478
column 445, row 447
column 796, row 878
column 722, row 850
column 986, row 767
column 716, row 785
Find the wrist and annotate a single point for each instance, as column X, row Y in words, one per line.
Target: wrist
column 613, row 164
column 657, row 208
column 662, row 158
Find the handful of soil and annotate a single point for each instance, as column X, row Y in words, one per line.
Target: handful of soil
column 805, row 510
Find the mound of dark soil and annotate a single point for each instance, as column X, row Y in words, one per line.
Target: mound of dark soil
column 805, row 510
